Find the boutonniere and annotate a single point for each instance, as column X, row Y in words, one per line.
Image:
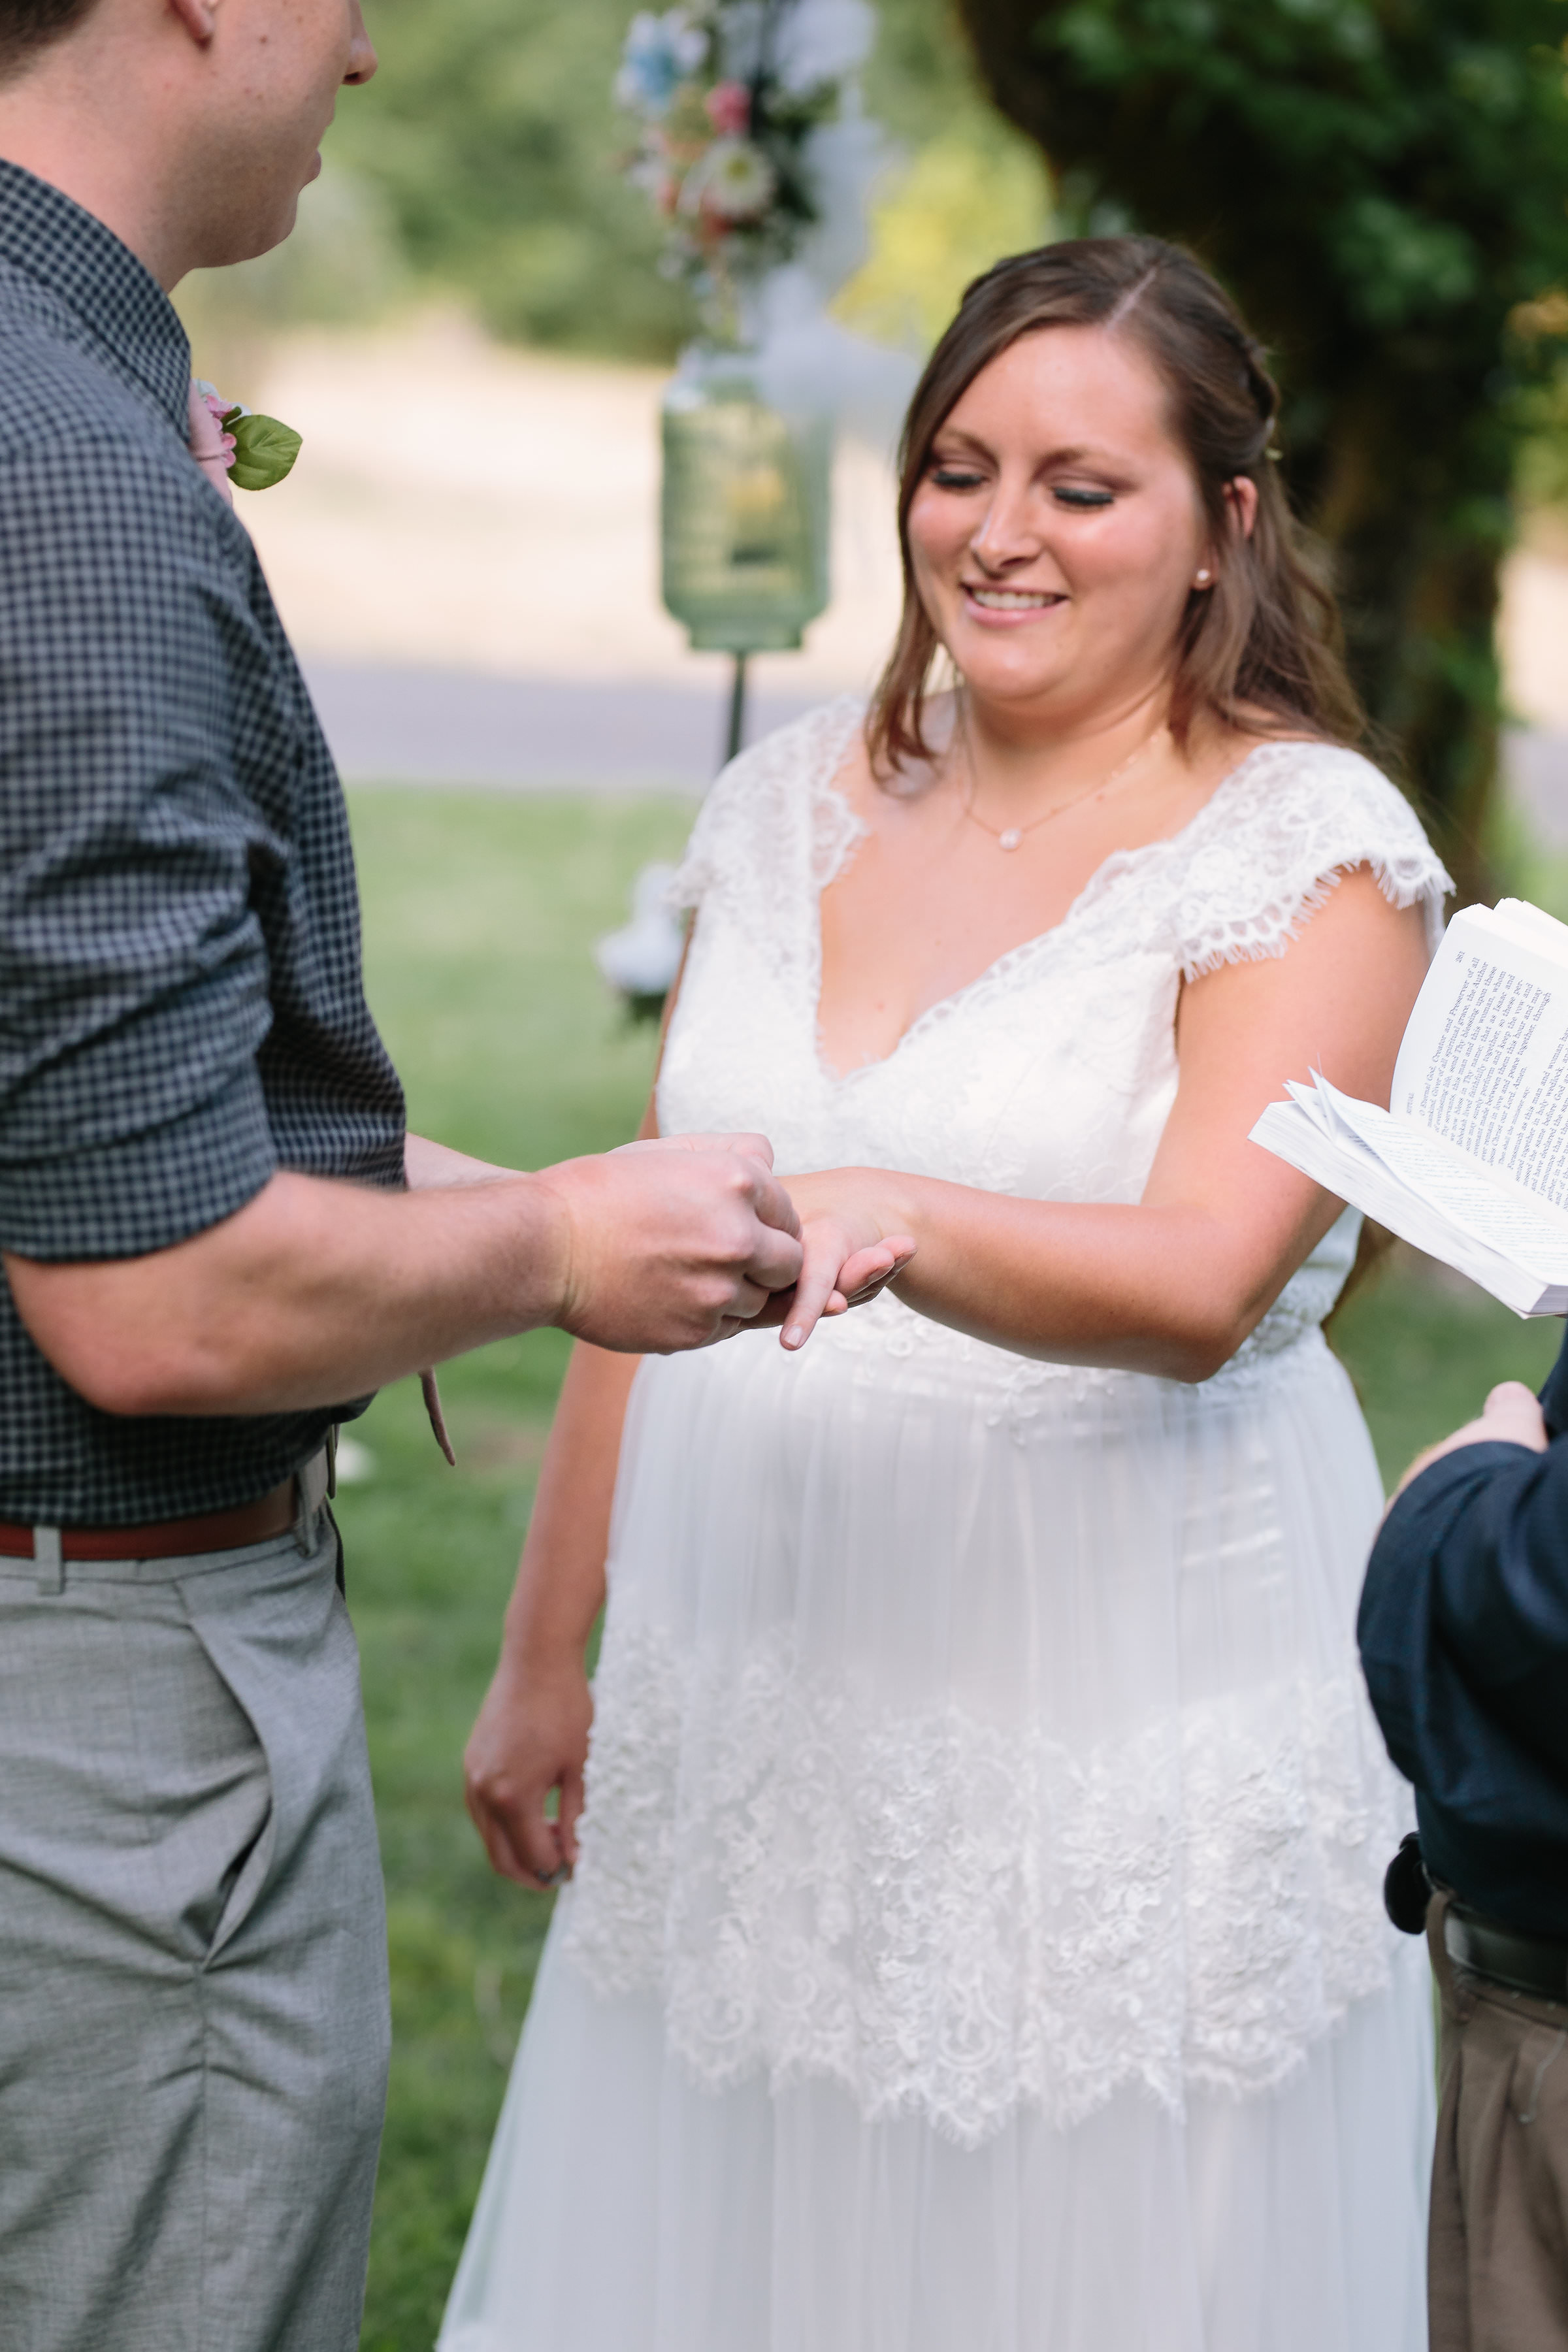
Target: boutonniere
column 232, row 446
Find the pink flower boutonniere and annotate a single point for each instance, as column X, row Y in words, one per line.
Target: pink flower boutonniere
column 236, row 449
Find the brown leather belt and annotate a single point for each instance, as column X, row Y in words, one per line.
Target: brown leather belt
column 248, row 1522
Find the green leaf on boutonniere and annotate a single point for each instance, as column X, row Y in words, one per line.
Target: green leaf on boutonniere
column 264, row 450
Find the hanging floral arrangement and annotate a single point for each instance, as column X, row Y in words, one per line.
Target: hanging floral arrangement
column 728, row 95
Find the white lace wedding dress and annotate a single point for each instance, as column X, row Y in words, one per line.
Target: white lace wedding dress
column 977, row 1945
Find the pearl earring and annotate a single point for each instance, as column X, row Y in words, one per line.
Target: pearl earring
column 1203, row 580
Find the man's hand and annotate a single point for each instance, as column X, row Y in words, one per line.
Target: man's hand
column 1511, row 1415
column 673, row 1241
column 318, row 1290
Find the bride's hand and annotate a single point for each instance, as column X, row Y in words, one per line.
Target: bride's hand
column 531, row 1738
column 850, row 1255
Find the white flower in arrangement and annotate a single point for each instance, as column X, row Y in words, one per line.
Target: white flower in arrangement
column 733, row 182
column 821, row 41
column 660, row 53
column 641, row 959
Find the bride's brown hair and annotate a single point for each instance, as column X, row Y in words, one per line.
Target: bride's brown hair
column 1266, row 637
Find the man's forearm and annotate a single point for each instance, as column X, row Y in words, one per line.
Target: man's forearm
column 317, row 1291
column 314, row 1292
column 427, row 1166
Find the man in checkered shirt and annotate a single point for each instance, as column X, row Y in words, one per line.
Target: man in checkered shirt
column 215, row 1232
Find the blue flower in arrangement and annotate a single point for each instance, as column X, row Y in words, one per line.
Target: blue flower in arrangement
column 660, row 53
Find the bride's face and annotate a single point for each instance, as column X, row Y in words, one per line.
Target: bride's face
column 1058, row 531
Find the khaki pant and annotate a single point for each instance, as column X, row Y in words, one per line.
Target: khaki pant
column 1497, row 2258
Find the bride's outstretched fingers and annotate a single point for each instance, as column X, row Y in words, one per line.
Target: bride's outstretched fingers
column 838, row 1270
column 867, row 1273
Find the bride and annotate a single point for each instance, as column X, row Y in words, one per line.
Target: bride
column 974, row 1941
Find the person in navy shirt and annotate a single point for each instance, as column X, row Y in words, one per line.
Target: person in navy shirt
column 1463, row 1640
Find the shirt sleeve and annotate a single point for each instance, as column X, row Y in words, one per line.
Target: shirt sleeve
column 1465, row 1615
column 133, row 974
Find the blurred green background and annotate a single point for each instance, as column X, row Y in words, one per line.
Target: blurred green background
column 479, row 908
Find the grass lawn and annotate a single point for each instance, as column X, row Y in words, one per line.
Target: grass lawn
column 479, row 911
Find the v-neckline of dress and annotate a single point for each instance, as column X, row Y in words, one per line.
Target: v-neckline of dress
column 1112, row 865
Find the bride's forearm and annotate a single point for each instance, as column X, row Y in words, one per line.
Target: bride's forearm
column 559, row 1587
column 1171, row 1289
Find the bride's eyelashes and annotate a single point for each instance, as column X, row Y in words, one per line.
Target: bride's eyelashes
column 1081, row 497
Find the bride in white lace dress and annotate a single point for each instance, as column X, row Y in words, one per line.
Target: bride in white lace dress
column 974, row 1942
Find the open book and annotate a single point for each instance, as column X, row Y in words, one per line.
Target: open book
column 1470, row 1161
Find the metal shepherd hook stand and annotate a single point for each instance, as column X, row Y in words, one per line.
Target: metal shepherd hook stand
column 735, row 734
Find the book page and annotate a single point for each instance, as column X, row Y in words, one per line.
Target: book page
column 1484, row 1064
column 1531, row 926
column 1337, row 1159
column 1500, row 1217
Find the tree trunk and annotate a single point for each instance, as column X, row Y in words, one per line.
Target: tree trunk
column 1394, row 446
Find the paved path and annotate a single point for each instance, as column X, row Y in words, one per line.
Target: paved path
column 408, row 726
column 445, row 726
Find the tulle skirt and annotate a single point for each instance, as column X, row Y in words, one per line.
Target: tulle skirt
column 977, row 1943
column 628, row 2209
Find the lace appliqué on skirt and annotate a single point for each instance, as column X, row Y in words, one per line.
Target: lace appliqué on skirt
column 950, row 1918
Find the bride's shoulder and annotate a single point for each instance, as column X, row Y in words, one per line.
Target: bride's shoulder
column 1292, row 817
column 780, row 795
column 1292, row 775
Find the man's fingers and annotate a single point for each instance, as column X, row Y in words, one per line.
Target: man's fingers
column 1510, row 1417
column 749, row 1146
column 773, row 1204
column 777, row 1259
column 1516, row 1412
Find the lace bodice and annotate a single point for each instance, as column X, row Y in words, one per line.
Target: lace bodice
column 1051, row 1075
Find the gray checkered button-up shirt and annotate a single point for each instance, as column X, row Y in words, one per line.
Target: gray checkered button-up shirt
column 181, row 1009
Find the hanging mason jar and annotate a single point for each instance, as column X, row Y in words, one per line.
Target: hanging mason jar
column 746, row 507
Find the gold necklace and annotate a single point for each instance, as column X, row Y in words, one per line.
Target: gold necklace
column 1009, row 836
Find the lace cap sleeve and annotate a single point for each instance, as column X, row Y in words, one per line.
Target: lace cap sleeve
column 1276, row 839
column 769, row 806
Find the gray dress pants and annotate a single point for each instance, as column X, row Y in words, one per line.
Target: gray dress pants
column 194, row 2020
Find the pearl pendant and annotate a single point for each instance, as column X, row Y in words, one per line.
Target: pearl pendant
column 1010, row 839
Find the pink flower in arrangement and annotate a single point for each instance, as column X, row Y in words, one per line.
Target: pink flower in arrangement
column 211, row 447
column 729, row 105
